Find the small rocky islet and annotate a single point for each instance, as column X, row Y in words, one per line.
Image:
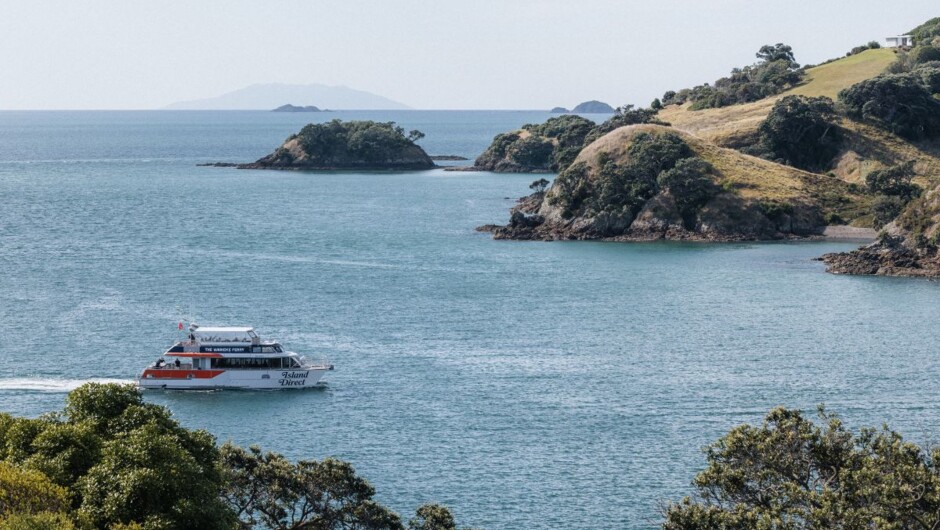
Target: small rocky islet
column 361, row 145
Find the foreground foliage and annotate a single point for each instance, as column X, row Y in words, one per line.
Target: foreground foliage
column 791, row 473
column 112, row 461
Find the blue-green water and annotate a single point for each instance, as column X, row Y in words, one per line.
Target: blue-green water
column 526, row 385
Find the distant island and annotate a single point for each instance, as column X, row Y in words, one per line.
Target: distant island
column 269, row 96
column 296, row 108
column 593, row 107
column 588, row 107
column 337, row 144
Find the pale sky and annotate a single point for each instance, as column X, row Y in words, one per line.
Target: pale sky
column 444, row 54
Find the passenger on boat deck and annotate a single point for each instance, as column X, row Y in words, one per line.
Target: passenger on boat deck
column 160, row 362
column 177, row 363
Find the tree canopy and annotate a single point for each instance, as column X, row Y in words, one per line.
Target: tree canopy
column 111, row 461
column 790, row 473
column 799, row 132
column 775, row 71
column 900, row 103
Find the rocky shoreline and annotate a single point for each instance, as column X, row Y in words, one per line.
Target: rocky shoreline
column 887, row 257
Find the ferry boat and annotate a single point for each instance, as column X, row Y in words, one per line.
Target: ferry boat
column 230, row 357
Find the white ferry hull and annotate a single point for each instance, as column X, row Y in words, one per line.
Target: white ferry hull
column 183, row 379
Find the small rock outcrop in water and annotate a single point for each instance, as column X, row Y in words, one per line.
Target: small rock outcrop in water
column 647, row 182
column 593, row 107
column 906, row 247
column 348, row 145
column 296, row 108
column 559, row 110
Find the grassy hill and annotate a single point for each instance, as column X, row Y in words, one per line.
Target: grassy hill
column 618, row 189
column 736, row 124
column 748, row 177
column 867, row 148
column 828, row 79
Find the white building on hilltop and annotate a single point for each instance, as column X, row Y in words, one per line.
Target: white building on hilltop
column 900, row 41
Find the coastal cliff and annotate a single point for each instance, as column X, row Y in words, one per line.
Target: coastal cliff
column 348, row 145
column 647, row 182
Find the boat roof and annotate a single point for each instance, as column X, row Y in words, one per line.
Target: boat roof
column 206, row 329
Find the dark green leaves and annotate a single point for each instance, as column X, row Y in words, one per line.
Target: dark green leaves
column 792, row 473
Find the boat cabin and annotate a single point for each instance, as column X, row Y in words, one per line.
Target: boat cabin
column 241, row 362
column 224, row 340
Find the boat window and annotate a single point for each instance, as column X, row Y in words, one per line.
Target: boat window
column 277, row 348
column 267, row 349
column 252, row 334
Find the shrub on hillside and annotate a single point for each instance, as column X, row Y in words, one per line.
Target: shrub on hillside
column 930, row 76
column 625, row 187
column 776, row 71
column 873, row 45
column 798, row 132
column 885, row 209
column 532, row 152
column 552, row 145
column 894, row 180
column 899, row 103
column 926, row 31
column 568, row 134
column 623, row 116
column 895, row 190
column 691, row 186
column 924, row 54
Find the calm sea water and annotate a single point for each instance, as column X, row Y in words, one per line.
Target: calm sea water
column 526, row 385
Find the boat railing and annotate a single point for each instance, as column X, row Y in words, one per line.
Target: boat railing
column 316, row 362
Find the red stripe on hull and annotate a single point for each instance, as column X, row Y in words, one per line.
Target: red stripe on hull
column 180, row 374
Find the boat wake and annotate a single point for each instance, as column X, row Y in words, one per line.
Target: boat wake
column 43, row 384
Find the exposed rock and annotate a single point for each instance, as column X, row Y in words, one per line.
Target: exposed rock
column 448, row 157
column 559, row 110
column 886, row 257
column 906, row 247
column 218, row 164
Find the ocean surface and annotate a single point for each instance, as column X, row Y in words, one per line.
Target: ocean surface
column 525, row 385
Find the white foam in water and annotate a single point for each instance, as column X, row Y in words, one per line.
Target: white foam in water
column 52, row 385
